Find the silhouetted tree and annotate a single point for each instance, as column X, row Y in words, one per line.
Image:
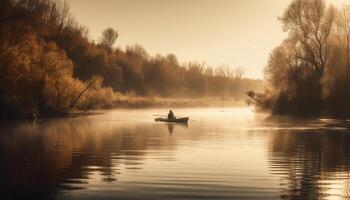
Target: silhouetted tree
column 308, row 73
column 309, row 24
column 109, row 37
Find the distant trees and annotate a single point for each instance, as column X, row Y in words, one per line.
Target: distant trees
column 238, row 72
column 109, row 37
column 49, row 66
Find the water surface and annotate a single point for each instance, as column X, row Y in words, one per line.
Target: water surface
column 223, row 153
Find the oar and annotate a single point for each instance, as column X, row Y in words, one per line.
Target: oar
column 160, row 115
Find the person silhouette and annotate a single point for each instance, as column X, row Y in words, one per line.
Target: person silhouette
column 171, row 115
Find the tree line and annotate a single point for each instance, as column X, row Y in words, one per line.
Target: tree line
column 49, row 65
column 308, row 73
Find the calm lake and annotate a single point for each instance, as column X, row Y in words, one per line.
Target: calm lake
column 223, row 153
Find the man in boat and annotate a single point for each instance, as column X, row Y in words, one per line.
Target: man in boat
column 171, row 115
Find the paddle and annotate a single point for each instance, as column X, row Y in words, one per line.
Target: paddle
column 160, row 115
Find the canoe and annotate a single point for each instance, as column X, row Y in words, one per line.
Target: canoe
column 177, row 120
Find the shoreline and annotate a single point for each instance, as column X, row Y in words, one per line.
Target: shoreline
column 140, row 103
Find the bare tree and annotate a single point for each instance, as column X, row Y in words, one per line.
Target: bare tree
column 109, row 37
column 309, row 22
column 343, row 29
column 223, row 71
column 346, row 16
column 238, row 72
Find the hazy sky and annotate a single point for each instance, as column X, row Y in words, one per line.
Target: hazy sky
column 232, row 32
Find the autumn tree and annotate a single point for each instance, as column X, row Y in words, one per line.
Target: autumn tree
column 308, row 73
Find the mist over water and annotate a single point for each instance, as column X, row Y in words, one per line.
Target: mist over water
column 223, row 153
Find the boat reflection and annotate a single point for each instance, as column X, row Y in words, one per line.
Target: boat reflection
column 171, row 127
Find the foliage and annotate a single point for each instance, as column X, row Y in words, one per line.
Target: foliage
column 49, row 66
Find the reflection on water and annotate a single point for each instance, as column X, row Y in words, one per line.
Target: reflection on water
column 223, row 154
column 311, row 164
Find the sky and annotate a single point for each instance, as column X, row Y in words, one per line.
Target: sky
column 238, row 33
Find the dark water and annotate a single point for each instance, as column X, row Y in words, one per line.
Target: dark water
column 223, row 154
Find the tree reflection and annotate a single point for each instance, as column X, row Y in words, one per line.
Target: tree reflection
column 44, row 158
column 306, row 160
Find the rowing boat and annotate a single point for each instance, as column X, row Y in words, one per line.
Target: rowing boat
column 183, row 120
